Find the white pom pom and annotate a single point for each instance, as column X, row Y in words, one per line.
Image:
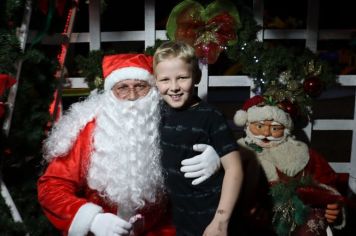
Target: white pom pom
column 240, row 118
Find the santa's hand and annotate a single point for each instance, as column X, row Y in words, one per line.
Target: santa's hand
column 107, row 224
column 201, row 166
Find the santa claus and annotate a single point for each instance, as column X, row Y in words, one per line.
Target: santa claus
column 289, row 167
column 103, row 174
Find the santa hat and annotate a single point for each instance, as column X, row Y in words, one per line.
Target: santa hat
column 256, row 109
column 126, row 66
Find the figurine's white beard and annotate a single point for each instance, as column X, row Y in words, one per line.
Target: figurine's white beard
column 258, row 139
column 125, row 163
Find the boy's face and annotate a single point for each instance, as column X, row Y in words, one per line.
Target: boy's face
column 175, row 82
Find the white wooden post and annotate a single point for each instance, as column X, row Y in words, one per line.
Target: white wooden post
column 150, row 26
column 204, row 82
column 94, row 25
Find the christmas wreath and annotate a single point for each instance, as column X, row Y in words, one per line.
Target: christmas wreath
column 209, row 30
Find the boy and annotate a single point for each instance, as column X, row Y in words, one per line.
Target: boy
column 205, row 209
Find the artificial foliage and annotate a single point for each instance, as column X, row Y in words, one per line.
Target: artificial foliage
column 20, row 150
column 8, row 11
column 289, row 211
column 9, row 51
column 90, row 68
column 7, row 226
column 281, row 72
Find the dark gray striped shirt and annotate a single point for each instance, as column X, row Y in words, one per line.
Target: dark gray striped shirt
column 193, row 206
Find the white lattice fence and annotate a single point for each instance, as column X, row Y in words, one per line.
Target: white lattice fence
column 311, row 34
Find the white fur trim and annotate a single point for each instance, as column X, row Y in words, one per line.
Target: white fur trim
column 342, row 224
column 289, row 157
column 240, row 118
column 352, row 184
column 257, row 113
column 127, row 73
column 80, row 225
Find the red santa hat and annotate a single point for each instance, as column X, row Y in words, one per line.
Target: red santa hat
column 256, row 109
column 126, row 66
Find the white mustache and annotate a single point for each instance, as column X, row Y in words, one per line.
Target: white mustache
column 270, row 138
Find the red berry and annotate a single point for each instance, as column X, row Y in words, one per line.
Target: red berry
column 313, row 86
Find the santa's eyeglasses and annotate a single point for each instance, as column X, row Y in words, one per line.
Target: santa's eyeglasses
column 135, row 88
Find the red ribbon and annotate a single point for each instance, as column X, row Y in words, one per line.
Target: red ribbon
column 209, row 38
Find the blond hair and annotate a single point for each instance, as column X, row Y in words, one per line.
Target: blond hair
column 181, row 50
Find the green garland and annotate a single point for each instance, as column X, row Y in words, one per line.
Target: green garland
column 20, row 151
column 90, row 68
column 289, row 211
column 9, row 51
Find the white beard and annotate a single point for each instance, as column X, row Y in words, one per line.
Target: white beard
column 125, row 163
column 290, row 157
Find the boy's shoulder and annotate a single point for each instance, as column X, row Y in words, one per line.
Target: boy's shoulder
column 205, row 106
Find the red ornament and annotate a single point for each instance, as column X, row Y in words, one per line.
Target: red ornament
column 313, row 86
column 208, row 52
column 289, row 107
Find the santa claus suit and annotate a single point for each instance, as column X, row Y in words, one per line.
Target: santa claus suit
column 91, row 168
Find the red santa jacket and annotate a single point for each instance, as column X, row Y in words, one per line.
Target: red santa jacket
column 71, row 205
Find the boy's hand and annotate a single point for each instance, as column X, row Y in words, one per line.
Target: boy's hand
column 216, row 228
column 201, row 166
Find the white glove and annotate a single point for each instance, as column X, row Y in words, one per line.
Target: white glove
column 201, row 166
column 107, row 224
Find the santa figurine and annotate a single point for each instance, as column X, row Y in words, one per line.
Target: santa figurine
column 103, row 175
column 301, row 196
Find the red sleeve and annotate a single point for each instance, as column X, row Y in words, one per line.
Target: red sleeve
column 59, row 188
column 320, row 169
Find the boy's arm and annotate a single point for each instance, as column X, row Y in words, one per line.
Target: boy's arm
column 229, row 194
